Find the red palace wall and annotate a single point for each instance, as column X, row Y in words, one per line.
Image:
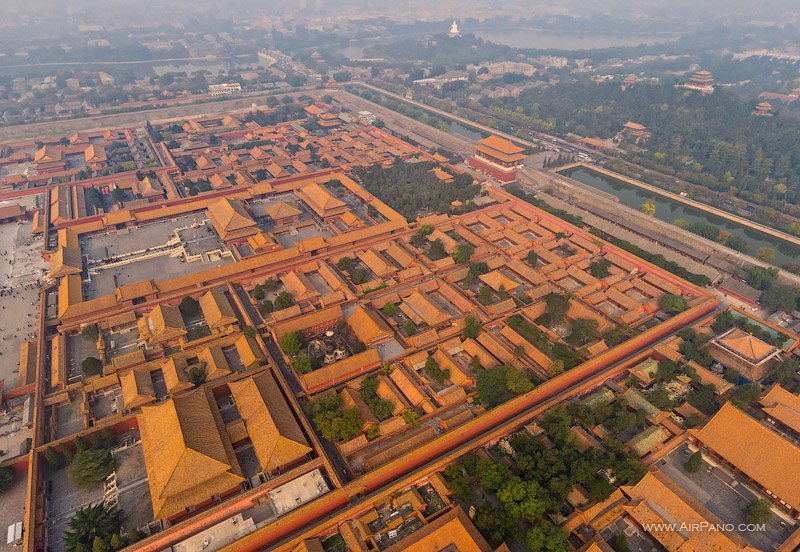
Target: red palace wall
column 503, row 176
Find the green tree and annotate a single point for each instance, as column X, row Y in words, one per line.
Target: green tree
column 284, row 300
column 463, row 253
column 600, row 268
column 436, row 250
column 435, row 372
column 780, row 298
column 619, row 543
column 485, row 295
column 766, row 254
column 116, row 542
column 746, row 395
column 301, row 363
column 556, row 308
column 189, row 307
column 53, row 458
column 198, row 374
column 101, row 545
column 90, row 466
column 546, row 538
column 583, row 331
column 90, row 333
column 672, row 304
column 523, row 499
column 119, row 195
column 694, row 463
column 648, row 208
column 472, row 328
column 91, row 366
column 411, row 418
column 249, row 331
column 495, row 525
column 758, row 512
column 410, row 327
column 6, row 479
column 532, row 257
column 90, row 522
column 388, row 309
column 517, row 382
column 291, row 342
column 332, row 422
column 491, row 386
column 266, row 307
column 259, row 293
column 491, row 475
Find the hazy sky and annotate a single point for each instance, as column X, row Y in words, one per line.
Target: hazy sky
column 116, row 12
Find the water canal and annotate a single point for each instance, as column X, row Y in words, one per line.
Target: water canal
column 669, row 209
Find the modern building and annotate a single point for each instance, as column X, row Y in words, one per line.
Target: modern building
column 499, row 158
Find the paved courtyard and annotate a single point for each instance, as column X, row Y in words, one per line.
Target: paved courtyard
column 133, row 496
column 724, row 496
column 21, row 266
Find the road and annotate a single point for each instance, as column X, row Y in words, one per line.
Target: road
column 572, row 148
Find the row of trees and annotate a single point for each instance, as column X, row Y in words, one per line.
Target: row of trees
column 412, row 189
column 537, row 482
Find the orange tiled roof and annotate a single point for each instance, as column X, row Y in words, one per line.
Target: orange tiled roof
column 502, row 145
column 755, row 450
column 783, row 406
column 185, row 453
column 273, row 429
column 453, row 530
column 282, row 210
column 216, row 308
column 745, row 345
column 368, row 326
column 653, row 502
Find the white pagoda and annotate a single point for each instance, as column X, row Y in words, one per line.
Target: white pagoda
column 454, row 32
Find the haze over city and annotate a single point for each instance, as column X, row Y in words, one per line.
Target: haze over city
column 350, row 276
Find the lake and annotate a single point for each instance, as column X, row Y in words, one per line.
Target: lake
column 565, row 40
column 669, row 209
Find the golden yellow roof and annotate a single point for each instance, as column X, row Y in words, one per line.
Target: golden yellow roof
column 368, row 326
column 137, row 388
column 163, row 323
column 425, row 309
column 135, row 290
column 339, row 371
column 783, row 406
column 175, row 376
column 67, row 260
column 216, row 363
column 47, row 153
column 230, row 218
column 755, row 450
column 653, row 503
column 249, row 351
column 185, row 454
column 321, row 200
column 282, row 210
column 453, row 530
column 216, row 308
column 298, row 284
column 375, row 262
column 310, row 320
column 745, row 345
column 273, row 429
column 495, row 279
